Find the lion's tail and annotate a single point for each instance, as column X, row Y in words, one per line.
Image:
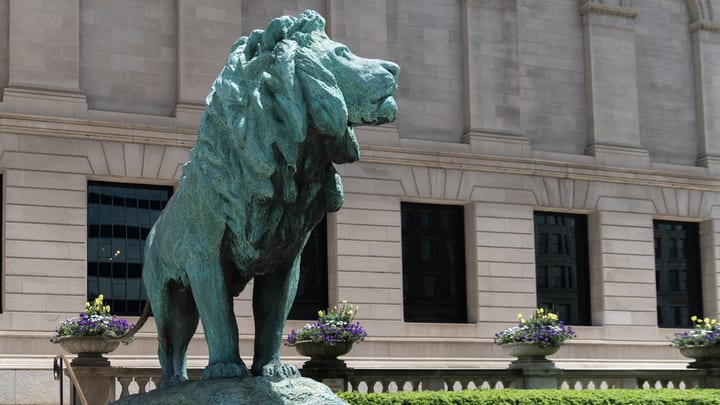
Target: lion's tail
column 128, row 336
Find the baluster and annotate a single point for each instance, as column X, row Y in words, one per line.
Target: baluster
column 142, row 382
column 124, row 385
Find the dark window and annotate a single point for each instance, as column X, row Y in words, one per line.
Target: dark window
column 119, row 219
column 312, row 291
column 677, row 273
column 433, row 257
column 561, row 266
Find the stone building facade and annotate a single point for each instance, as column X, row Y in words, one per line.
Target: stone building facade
column 519, row 114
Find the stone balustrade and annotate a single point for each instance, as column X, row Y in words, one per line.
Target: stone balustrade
column 137, row 380
column 120, row 382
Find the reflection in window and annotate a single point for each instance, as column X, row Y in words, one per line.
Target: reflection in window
column 677, row 273
column 433, row 252
column 120, row 217
column 561, row 266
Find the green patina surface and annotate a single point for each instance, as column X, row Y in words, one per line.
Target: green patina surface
column 260, row 177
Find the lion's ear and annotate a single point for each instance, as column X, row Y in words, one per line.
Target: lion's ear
column 325, row 103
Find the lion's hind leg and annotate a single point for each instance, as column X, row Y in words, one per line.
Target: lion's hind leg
column 176, row 318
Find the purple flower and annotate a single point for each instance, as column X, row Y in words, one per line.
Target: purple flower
column 333, row 326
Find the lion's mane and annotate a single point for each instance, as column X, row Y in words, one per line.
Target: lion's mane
column 274, row 112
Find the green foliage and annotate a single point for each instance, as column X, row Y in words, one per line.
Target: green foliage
column 539, row 397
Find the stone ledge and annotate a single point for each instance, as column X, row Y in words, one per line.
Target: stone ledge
column 617, row 11
column 704, row 26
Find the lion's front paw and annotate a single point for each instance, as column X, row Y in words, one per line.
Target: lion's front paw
column 171, row 380
column 225, row 370
column 279, row 370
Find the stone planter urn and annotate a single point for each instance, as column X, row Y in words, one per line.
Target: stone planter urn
column 323, row 355
column 530, row 355
column 89, row 349
column 705, row 356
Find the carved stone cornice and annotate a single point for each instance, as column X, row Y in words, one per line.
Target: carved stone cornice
column 704, row 26
column 617, row 11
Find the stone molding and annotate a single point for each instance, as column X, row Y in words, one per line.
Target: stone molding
column 704, row 26
column 23, row 124
column 619, row 154
column 701, row 10
column 505, row 143
column 624, row 12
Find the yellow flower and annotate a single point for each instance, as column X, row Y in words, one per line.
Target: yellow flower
column 693, row 318
column 519, row 316
column 349, row 312
column 344, row 301
column 707, row 320
column 522, row 320
column 107, row 308
column 321, row 314
column 87, row 305
column 540, row 310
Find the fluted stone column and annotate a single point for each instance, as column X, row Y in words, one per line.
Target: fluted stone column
column 611, row 85
column 706, row 53
column 206, row 30
column 491, row 75
column 44, row 63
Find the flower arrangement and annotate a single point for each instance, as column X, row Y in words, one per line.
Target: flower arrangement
column 542, row 328
column 333, row 326
column 95, row 320
column 705, row 333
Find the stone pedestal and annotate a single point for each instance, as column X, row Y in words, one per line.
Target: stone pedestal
column 324, row 365
column 97, row 384
column 333, row 373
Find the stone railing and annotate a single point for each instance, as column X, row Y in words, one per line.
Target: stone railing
column 126, row 381
column 453, row 380
column 137, row 380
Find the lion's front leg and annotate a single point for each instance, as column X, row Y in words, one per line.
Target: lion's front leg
column 273, row 296
column 215, row 305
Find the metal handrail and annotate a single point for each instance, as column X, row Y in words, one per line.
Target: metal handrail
column 58, row 374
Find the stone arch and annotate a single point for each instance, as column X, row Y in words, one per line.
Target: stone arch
column 700, row 10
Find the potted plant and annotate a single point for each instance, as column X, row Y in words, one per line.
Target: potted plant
column 531, row 340
column 701, row 343
column 332, row 335
column 86, row 334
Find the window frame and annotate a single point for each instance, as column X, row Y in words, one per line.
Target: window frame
column 693, row 290
column 576, row 255
column 110, row 299
column 414, row 310
column 307, row 307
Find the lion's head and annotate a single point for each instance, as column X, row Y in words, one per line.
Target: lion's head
column 290, row 79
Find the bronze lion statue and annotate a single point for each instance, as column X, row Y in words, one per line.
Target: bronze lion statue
column 259, row 178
